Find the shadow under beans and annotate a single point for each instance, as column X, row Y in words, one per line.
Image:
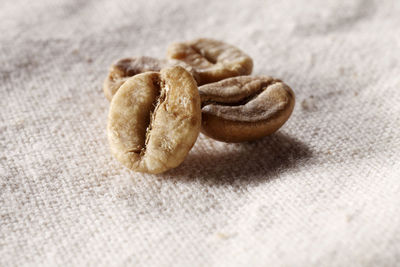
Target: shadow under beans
column 249, row 162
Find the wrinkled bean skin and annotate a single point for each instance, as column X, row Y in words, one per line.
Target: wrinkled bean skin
column 245, row 108
column 125, row 68
column 154, row 120
column 212, row 60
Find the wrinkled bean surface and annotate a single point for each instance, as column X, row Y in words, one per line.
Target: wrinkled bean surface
column 125, row 68
column 245, row 108
column 212, row 60
column 154, row 120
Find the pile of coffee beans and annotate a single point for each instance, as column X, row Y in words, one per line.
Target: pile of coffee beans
column 159, row 106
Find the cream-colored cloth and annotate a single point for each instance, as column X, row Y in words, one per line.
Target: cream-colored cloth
column 323, row 191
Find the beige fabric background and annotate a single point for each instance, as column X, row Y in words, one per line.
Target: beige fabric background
column 324, row 191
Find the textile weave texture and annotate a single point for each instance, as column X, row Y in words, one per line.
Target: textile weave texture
column 323, row 191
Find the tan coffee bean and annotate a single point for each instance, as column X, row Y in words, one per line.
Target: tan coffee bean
column 125, row 68
column 212, row 60
column 245, row 108
column 154, row 120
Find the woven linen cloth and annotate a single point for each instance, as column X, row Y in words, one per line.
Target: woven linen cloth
column 323, row 191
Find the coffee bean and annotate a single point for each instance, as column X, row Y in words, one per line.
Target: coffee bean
column 245, row 108
column 154, row 120
column 125, row 68
column 212, row 60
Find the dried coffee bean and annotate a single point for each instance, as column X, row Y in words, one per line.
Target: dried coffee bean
column 154, row 120
column 245, row 108
column 125, row 68
column 212, row 60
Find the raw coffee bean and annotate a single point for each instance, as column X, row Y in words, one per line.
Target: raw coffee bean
column 125, row 68
column 154, row 120
column 212, row 60
column 245, row 108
